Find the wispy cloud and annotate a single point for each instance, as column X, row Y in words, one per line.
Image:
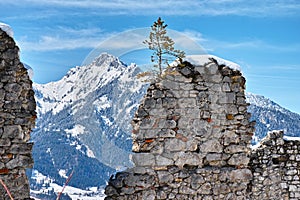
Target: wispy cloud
column 49, row 43
column 132, row 40
column 68, row 38
column 255, row 44
column 212, row 44
column 291, row 68
column 254, row 8
column 64, row 38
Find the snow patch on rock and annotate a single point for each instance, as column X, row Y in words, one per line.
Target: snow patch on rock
column 7, row 29
column 204, row 59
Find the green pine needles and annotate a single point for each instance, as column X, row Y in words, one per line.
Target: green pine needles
column 162, row 46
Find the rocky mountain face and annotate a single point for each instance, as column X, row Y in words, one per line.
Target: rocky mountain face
column 271, row 116
column 84, row 120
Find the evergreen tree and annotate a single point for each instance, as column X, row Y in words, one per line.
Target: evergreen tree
column 163, row 47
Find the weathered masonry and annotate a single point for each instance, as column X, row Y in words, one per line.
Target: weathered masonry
column 17, row 118
column 275, row 164
column 191, row 138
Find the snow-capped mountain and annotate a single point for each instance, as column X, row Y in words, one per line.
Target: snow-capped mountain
column 84, row 120
column 271, row 116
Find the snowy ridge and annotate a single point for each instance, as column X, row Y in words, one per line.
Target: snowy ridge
column 270, row 116
column 262, row 101
column 78, row 82
column 85, row 115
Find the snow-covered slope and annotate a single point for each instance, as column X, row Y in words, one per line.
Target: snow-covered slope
column 261, row 101
column 83, row 121
column 271, row 116
column 80, row 82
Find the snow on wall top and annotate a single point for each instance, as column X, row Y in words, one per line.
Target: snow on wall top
column 7, row 29
column 203, row 59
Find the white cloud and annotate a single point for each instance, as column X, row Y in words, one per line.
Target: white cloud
column 253, row 8
column 49, row 43
column 64, row 38
column 256, row 44
column 193, row 42
column 131, row 40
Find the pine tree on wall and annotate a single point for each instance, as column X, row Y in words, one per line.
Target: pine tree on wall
column 163, row 47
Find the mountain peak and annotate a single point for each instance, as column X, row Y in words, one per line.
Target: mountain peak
column 262, row 101
column 105, row 58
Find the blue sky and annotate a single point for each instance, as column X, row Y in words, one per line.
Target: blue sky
column 262, row 36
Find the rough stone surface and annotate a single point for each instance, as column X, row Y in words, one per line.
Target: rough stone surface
column 275, row 164
column 17, row 118
column 191, row 138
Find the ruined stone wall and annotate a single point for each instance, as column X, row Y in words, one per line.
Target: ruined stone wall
column 17, row 117
column 276, row 168
column 191, row 138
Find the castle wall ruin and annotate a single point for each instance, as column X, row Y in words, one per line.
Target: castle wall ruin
column 17, row 118
column 191, row 140
column 275, row 164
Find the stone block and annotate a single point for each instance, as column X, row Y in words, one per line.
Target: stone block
column 240, row 175
column 147, row 122
column 160, row 160
column 212, row 146
column 12, row 131
column 193, row 113
column 149, row 103
column 211, row 68
column 189, row 159
column 21, row 148
column 25, row 161
column 239, row 160
column 230, row 137
column 186, row 86
column 149, row 195
column 205, row 189
column 186, row 190
column 211, row 157
column 169, row 102
column 174, row 144
column 228, row 98
column 5, row 142
column 226, row 87
column 217, row 78
column 231, row 149
column 164, row 177
column 187, row 102
column 196, row 181
column 143, row 159
column 169, row 84
column 166, row 133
